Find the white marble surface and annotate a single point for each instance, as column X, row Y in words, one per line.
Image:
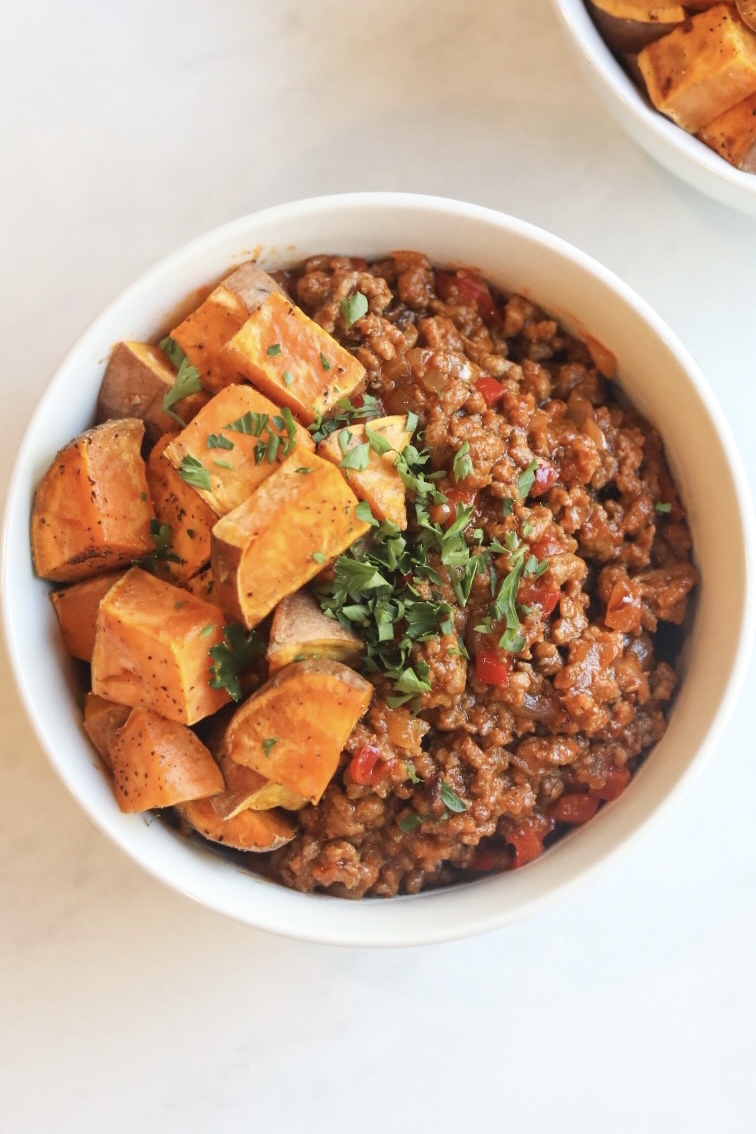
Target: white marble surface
column 126, row 129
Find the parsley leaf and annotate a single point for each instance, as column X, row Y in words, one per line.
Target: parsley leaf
column 362, row 512
column 170, row 347
column 353, row 308
column 269, row 744
column 408, row 823
column 525, row 479
column 218, row 441
column 661, row 508
column 186, row 382
column 194, row 472
column 356, row 458
column 450, row 799
column 324, row 362
column 463, row 465
column 234, row 654
column 347, row 413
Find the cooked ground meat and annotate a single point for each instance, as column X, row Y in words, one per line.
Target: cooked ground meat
column 497, row 762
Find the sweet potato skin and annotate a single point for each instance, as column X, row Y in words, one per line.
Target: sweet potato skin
column 257, row 831
column 179, row 505
column 76, row 609
column 102, row 719
column 246, row 788
column 300, row 629
column 280, row 537
column 152, row 648
column 294, row 728
column 158, row 763
column 230, row 486
column 630, row 25
column 733, row 135
column 292, row 360
column 92, row 508
column 136, row 380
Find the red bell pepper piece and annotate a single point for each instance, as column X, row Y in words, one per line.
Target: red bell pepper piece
column 575, row 807
column 470, row 289
column 489, row 389
column 538, row 593
column 545, row 476
column 493, row 665
column 527, row 839
column 616, row 782
column 363, row 767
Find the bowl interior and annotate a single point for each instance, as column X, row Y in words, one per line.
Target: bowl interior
column 680, row 152
column 659, row 378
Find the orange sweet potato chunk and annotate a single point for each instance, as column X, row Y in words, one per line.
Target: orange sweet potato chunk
column 300, row 518
column 228, row 455
column 92, row 509
column 152, row 648
column 293, row 360
column 300, row 629
column 733, row 135
column 204, row 332
column 101, row 720
column 158, row 763
column 247, row 831
column 137, row 379
column 179, row 506
column 245, row 788
column 379, row 483
column 76, row 610
column 294, row 728
column 701, row 69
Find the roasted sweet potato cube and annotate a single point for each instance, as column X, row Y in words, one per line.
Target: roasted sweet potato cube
column 300, row 518
column 293, row 360
column 246, row 788
column 233, row 445
column 102, row 719
column 294, row 728
column 182, row 509
column 137, row 379
column 300, row 630
column 76, row 610
column 247, row 831
column 630, row 25
column 378, row 482
column 733, row 135
column 204, row 333
column 152, row 648
column 203, row 586
column 701, row 69
column 92, row 509
column 158, row 763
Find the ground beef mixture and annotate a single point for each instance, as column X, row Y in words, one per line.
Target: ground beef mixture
column 509, row 749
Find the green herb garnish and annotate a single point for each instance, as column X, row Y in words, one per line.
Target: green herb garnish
column 273, row 350
column 218, row 441
column 525, row 479
column 186, row 382
column 353, row 308
column 345, row 415
column 232, row 656
column 170, row 347
column 661, row 508
column 324, row 362
column 269, row 744
column 450, row 799
column 194, row 472
column 463, row 465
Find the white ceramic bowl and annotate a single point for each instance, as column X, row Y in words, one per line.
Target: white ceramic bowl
column 662, row 381
column 679, row 152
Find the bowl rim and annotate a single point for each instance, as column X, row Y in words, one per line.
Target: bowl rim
column 360, row 927
column 710, row 173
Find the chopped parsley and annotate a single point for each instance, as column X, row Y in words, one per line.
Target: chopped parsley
column 345, row 415
column 273, row 350
column 186, row 382
column 353, row 308
column 661, row 508
column 362, row 512
column 218, row 441
column 450, row 799
column 324, row 362
column 408, row 823
column 232, row 656
column 269, row 744
column 288, row 377
column 162, row 536
column 305, row 470
column 525, row 479
column 269, row 431
column 194, row 472
column 170, row 347
column 463, row 465
column 318, row 556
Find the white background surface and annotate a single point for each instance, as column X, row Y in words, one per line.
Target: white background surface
column 126, row 129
